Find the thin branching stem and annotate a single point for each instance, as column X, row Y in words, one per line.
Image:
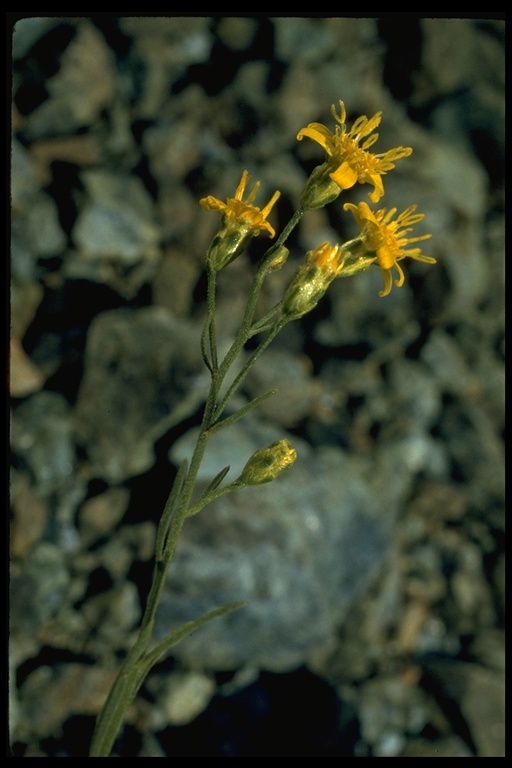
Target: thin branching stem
column 179, row 506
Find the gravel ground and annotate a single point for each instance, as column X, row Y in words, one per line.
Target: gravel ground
column 374, row 570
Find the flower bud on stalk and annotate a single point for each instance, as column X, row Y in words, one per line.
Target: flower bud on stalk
column 311, row 281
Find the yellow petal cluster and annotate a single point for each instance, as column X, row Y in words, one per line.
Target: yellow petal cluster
column 386, row 237
column 241, row 221
column 321, row 267
column 348, row 157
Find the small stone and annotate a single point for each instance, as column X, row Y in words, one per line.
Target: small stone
column 25, row 378
column 86, row 81
column 237, row 33
column 24, row 176
column 29, row 517
column 99, row 515
column 117, row 222
column 186, row 696
column 38, row 591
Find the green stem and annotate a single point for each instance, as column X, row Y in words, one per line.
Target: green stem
column 130, row 677
column 212, row 496
column 265, row 322
column 278, row 325
column 234, row 417
column 209, row 325
column 210, row 299
column 119, row 699
column 285, row 234
column 170, row 505
column 245, row 330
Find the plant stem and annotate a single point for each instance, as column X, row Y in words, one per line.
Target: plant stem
column 129, row 678
column 278, row 325
column 139, row 660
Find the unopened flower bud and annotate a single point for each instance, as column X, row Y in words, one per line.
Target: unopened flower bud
column 320, row 189
column 278, row 259
column 267, row 463
column 312, row 280
column 228, row 243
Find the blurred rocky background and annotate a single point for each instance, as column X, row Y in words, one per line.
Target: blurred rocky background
column 374, row 569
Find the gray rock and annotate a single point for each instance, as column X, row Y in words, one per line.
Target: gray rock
column 42, row 434
column 143, row 374
column 480, row 695
column 38, row 228
column 24, row 180
column 299, row 550
column 37, row 592
column 28, row 31
column 117, row 222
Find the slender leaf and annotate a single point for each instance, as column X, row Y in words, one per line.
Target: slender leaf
column 242, row 411
column 161, row 648
column 217, row 480
column 166, row 519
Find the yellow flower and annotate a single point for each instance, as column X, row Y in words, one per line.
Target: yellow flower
column 326, row 258
column 241, row 221
column 386, row 239
column 348, row 160
column 312, row 279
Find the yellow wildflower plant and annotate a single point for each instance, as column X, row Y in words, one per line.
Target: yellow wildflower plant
column 312, row 279
column 348, row 160
column 386, row 238
column 241, row 221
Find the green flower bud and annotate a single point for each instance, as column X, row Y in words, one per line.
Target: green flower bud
column 228, row 243
column 267, row 463
column 278, row 259
column 321, row 267
column 320, row 189
column 240, row 222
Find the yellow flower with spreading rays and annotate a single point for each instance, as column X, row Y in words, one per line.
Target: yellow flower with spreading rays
column 386, row 238
column 348, row 157
column 241, row 221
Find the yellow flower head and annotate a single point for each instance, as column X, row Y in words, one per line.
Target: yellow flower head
column 348, row 160
column 241, row 221
column 312, row 279
column 327, row 259
column 246, row 214
column 386, row 238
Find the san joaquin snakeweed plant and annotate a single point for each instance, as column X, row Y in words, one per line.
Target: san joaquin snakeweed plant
column 383, row 240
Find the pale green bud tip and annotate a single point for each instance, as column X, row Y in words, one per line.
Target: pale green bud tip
column 279, row 258
column 228, row 243
column 320, row 189
column 267, row 463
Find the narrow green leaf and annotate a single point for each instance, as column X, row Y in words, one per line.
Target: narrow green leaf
column 207, row 498
column 234, row 417
column 204, row 352
column 161, row 648
column 217, row 480
column 165, row 521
